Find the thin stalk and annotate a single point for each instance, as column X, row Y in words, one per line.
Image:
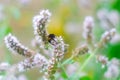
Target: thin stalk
column 88, row 59
column 63, row 71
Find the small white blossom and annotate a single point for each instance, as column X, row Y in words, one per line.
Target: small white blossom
column 16, row 47
column 108, row 19
column 40, row 19
column 39, row 60
column 39, row 25
column 114, row 17
column 101, row 14
column 10, row 42
column 88, row 25
column 113, row 71
column 112, row 32
column 116, row 38
column 103, row 60
column 21, row 67
column 88, row 22
column 108, row 35
column 45, row 13
column 4, row 66
column 35, row 61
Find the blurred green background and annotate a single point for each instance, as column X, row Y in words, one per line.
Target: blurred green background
column 67, row 20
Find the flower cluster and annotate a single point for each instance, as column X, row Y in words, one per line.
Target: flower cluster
column 107, row 37
column 37, row 59
column 108, row 19
column 88, row 26
column 103, row 60
column 59, row 50
column 51, row 50
column 113, row 69
column 16, row 47
column 81, row 50
column 39, row 25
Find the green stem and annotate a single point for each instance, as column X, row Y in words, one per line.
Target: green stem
column 63, row 71
column 88, row 59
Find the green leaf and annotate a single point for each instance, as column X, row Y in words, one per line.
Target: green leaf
column 116, row 5
column 113, row 50
column 85, row 78
column 64, row 75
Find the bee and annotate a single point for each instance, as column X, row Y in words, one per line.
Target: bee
column 51, row 39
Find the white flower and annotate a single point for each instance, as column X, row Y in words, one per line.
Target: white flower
column 40, row 19
column 39, row 60
column 88, row 26
column 88, row 22
column 45, row 13
column 116, row 38
column 114, row 17
column 103, row 60
column 21, row 67
column 113, row 71
column 10, row 42
column 108, row 35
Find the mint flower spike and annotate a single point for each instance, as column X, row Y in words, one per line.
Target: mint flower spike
column 88, row 29
column 103, row 60
column 16, row 47
column 112, row 69
column 107, row 37
column 39, row 25
column 4, row 66
column 81, row 50
column 37, row 60
column 59, row 50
